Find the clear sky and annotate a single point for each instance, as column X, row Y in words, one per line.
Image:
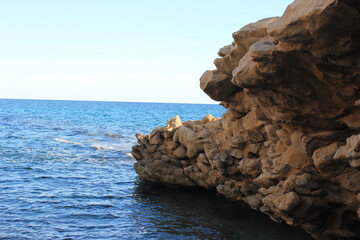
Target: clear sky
column 117, row 50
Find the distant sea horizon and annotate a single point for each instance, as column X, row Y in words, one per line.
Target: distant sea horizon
column 121, row 101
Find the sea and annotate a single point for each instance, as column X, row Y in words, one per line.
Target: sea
column 66, row 172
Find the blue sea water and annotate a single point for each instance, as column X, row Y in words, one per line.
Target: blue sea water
column 66, row 173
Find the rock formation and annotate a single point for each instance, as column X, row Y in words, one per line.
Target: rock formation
column 289, row 143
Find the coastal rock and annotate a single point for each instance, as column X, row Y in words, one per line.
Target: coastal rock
column 217, row 85
column 289, row 143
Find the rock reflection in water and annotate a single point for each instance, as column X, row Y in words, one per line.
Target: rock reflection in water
column 165, row 213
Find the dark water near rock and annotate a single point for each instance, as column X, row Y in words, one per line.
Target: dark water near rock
column 66, row 173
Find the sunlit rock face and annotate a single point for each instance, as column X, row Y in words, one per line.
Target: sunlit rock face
column 289, row 143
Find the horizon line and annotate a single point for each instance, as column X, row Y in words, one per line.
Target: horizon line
column 120, row 101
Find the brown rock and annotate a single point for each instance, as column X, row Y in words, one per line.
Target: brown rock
column 251, row 167
column 324, row 157
column 289, row 143
column 350, row 150
column 352, row 120
column 287, row 202
column 188, row 139
column 217, row 85
column 173, row 123
column 180, row 152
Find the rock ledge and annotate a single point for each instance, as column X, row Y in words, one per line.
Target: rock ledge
column 289, row 143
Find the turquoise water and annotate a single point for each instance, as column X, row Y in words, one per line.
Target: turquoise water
column 66, row 173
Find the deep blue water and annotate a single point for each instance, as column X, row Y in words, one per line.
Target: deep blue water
column 66, row 173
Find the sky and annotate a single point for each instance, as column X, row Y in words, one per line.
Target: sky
column 118, row 50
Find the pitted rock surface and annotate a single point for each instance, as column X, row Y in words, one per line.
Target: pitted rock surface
column 289, row 143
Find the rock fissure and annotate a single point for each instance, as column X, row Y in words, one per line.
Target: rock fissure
column 289, row 143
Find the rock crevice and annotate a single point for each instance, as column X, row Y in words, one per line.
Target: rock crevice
column 289, row 143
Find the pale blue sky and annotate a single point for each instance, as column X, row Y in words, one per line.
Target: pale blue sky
column 117, row 50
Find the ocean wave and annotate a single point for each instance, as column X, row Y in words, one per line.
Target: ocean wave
column 86, row 216
column 104, row 147
column 113, row 135
column 129, row 155
column 10, row 136
column 60, row 140
column 113, row 148
column 59, row 154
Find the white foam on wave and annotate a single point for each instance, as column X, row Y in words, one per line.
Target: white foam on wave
column 113, row 135
column 113, row 148
column 129, row 155
column 58, row 154
column 100, row 147
column 60, row 140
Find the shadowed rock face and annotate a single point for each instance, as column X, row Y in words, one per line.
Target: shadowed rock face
column 289, row 144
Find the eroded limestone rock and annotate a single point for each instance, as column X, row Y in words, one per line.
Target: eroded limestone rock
column 289, row 144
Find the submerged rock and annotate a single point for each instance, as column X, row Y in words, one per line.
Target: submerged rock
column 289, row 143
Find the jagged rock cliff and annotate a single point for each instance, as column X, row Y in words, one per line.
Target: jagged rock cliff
column 289, row 143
